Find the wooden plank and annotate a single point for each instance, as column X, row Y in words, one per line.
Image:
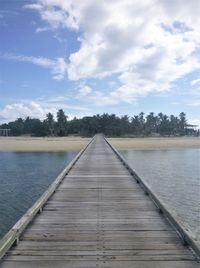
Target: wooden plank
column 89, row 245
column 102, row 264
column 51, row 257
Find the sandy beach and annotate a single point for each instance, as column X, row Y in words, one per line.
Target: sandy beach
column 155, row 143
column 55, row 144
column 47, row 144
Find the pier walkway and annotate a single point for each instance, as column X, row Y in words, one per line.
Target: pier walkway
column 99, row 216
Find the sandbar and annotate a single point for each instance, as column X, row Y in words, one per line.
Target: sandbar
column 62, row 144
column 47, row 144
column 158, row 143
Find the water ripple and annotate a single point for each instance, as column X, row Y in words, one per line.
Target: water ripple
column 23, row 178
column 175, row 176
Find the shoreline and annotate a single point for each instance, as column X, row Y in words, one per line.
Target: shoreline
column 63, row 144
column 47, row 144
column 157, row 143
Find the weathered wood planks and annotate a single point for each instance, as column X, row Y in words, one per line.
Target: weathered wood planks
column 99, row 217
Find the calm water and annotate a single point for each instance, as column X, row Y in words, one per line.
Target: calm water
column 23, row 178
column 175, row 176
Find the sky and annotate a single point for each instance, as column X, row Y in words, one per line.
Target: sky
column 109, row 56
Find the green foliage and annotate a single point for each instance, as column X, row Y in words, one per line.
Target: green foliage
column 49, row 124
column 61, row 125
column 109, row 124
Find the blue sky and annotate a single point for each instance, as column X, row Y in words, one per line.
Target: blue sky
column 90, row 57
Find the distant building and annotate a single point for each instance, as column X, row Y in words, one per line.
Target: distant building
column 5, row 131
column 193, row 130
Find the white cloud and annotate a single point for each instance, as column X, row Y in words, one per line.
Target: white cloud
column 57, row 13
column 147, row 44
column 195, row 82
column 195, row 122
column 15, row 110
column 42, row 29
column 195, row 103
column 84, row 90
column 40, row 107
column 60, row 102
column 98, row 98
column 58, row 66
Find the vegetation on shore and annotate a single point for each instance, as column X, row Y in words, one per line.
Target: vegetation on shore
column 109, row 124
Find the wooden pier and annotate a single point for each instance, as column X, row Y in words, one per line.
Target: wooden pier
column 97, row 213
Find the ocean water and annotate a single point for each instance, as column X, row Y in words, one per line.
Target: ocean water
column 174, row 175
column 23, row 179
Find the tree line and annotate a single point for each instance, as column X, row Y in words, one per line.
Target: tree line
column 109, row 124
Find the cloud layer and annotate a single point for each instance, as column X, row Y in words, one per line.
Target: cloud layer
column 147, row 45
column 39, row 108
column 58, row 67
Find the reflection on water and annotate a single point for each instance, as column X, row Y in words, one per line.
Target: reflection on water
column 175, row 176
column 23, row 178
